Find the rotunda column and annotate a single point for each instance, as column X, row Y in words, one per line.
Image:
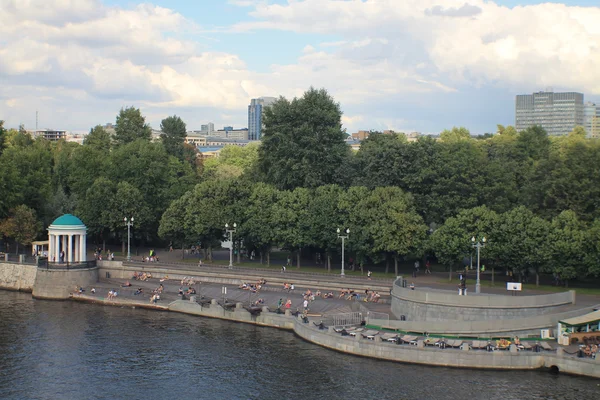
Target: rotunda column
column 70, row 249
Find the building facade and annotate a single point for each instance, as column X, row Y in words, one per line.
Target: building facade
column 255, row 111
column 50, row 134
column 591, row 119
column 557, row 113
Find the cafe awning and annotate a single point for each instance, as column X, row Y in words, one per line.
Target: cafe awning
column 582, row 319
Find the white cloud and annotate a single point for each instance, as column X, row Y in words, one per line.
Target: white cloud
column 535, row 46
column 81, row 54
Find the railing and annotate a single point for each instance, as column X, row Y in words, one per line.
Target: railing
column 45, row 264
column 371, row 315
column 346, row 319
column 17, row 258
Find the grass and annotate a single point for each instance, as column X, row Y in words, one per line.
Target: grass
column 526, row 286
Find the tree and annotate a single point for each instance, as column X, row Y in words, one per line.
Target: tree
column 98, row 138
column 395, row 226
column 172, row 223
column 131, row 125
column 173, row 135
column 233, row 161
column 325, row 217
column 455, row 135
column 383, row 160
column 2, row 135
column 95, row 208
column 303, row 142
column 567, row 238
column 22, row 225
column 521, row 242
column 260, row 228
column 291, row 220
column 451, row 242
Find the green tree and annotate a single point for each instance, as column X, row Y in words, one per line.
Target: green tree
column 95, row 208
column 521, row 242
column 131, row 126
column 259, row 229
column 98, row 138
column 451, row 243
column 303, row 142
column 567, row 238
column 173, row 222
column 173, row 135
column 324, row 217
column 22, row 225
column 455, row 135
column 395, row 226
column 3, row 133
column 291, row 220
column 128, row 201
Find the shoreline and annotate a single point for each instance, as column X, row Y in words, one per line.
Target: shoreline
column 375, row 349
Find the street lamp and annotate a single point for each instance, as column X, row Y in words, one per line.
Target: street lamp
column 478, row 245
column 343, row 237
column 129, row 223
column 231, row 232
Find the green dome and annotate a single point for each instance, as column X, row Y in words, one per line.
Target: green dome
column 67, row 220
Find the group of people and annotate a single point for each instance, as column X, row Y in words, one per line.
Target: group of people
column 288, row 286
column 590, row 351
column 141, row 276
column 111, row 295
column 253, row 287
column 152, row 257
column 188, row 281
column 108, row 256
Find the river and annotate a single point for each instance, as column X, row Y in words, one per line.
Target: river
column 67, row 350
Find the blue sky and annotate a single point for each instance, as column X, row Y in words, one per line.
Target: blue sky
column 415, row 65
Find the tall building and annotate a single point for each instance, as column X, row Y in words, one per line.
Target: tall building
column 207, row 129
column 557, row 113
column 255, row 110
column 591, row 119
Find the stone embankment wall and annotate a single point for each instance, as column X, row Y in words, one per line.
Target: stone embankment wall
column 58, row 284
column 429, row 305
column 359, row 346
column 17, row 276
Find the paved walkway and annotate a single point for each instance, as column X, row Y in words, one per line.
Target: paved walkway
column 270, row 295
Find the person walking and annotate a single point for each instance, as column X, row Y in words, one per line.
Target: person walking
column 369, row 273
column 427, row 268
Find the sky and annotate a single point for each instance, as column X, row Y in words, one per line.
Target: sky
column 406, row 65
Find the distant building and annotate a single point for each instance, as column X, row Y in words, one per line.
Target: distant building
column 360, row 135
column 50, row 134
column 110, row 129
column 229, row 133
column 75, row 138
column 591, row 119
column 207, row 128
column 255, row 111
column 557, row 113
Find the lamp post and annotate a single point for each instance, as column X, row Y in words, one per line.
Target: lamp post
column 231, row 232
column 343, row 237
column 129, row 223
column 478, row 245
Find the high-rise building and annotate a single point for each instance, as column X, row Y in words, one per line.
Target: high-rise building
column 557, row 113
column 255, row 110
column 207, row 129
column 591, row 119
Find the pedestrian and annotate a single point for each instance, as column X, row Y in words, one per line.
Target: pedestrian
column 289, row 261
column 305, row 305
column 427, row 267
column 282, row 269
column 369, row 273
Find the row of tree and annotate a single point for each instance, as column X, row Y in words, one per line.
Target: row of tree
column 384, row 227
column 428, row 183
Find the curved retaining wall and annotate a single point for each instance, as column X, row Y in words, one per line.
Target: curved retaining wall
column 17, row 276
column 58, row 284
column 424, row 305
column 377, row 349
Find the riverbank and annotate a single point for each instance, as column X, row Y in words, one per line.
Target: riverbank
column 416, row 353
